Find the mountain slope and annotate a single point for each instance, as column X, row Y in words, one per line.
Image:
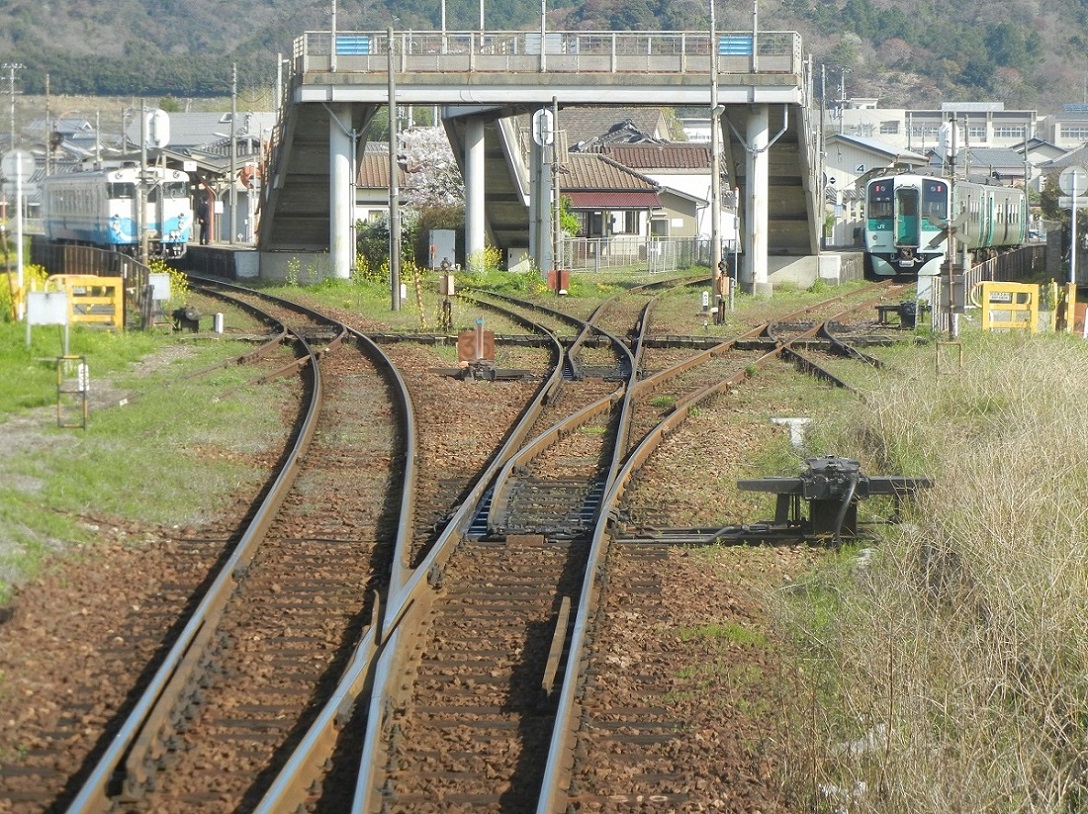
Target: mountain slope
column 1027, row 54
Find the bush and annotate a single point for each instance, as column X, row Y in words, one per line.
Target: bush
column 33, row 280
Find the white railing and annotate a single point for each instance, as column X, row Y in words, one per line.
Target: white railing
column 634, row 253
column 765, row 52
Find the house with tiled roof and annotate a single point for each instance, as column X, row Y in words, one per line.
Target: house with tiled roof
column 607, row 198
column 589, row 130
column 682, row 169
column 372, row 183
column 993, row 165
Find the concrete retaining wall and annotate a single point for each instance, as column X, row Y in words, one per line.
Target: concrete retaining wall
column 832, row 267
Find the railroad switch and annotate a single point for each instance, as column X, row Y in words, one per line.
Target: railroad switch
column 476, row 358
column 483, row 371
column 186, row 318
column 832, row 486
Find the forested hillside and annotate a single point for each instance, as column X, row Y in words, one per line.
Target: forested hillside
column 1026, row 53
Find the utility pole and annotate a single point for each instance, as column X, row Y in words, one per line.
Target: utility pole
column 715, row 165
column 233, row 152
column 12, row 67
column 48, row 128
column 950, row 244
column 557, row 227
column 394, row 191
column 332, row 50
column 141, row 197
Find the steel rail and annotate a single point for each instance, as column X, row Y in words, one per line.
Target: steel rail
column 416, row 594
column 133, row 741
column 289, row 789
column 823, row 331
column 265, row 347
column 503, row 481
column 292, row 783
column 556, row 779
column 419, row 599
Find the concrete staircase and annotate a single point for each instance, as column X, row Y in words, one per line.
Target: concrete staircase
column 791, row 203
column 297, row 205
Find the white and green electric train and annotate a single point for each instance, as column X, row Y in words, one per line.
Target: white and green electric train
column 907, row 218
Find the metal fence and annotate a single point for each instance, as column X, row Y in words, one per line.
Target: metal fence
column 62, row 259
column 1026, row 263
column 557, row 51
column 631, row 253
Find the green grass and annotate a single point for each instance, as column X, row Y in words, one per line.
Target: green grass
column 30, row 378
column 175, row 453
column 724, row 632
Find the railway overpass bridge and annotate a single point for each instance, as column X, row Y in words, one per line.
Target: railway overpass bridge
column 483, row 80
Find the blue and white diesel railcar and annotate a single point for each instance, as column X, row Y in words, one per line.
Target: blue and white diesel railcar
column 99, row 208
column 906, row 215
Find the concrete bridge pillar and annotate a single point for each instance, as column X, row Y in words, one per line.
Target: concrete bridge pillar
column 474, row 190
column 540, row 208
column 754, row 273
column 341, row 190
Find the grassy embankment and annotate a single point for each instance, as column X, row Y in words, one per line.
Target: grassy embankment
column 947, row 670
column 172, row 454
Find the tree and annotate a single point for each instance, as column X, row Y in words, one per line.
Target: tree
column 433, row 177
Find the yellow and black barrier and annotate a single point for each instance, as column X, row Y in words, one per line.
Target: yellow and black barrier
column 92, row 300
column 1026, row 307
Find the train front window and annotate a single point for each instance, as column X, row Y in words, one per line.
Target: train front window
column 880, row 201
column 175, row 190
column 119, row 190
column 935, row 204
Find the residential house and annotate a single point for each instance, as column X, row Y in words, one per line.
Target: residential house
column 590, row 129
column 607, row 198
column 987, row 165
column 681, row 168
column 1040, row 153
column 372, row 184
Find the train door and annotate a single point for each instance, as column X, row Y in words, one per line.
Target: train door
column 935, row 202
column 989, row 218
column 879, row 211
column 153, row 221
column 907, row 221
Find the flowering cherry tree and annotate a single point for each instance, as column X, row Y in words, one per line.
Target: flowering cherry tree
column 433, row 177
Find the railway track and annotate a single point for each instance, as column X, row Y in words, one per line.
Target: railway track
column 287, row 610
column 145, row 626
column 469, row 616
column 465, row 692
column 619, row 741
column 461, row 721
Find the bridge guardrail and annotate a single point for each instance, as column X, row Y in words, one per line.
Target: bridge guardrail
column 563, row 52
